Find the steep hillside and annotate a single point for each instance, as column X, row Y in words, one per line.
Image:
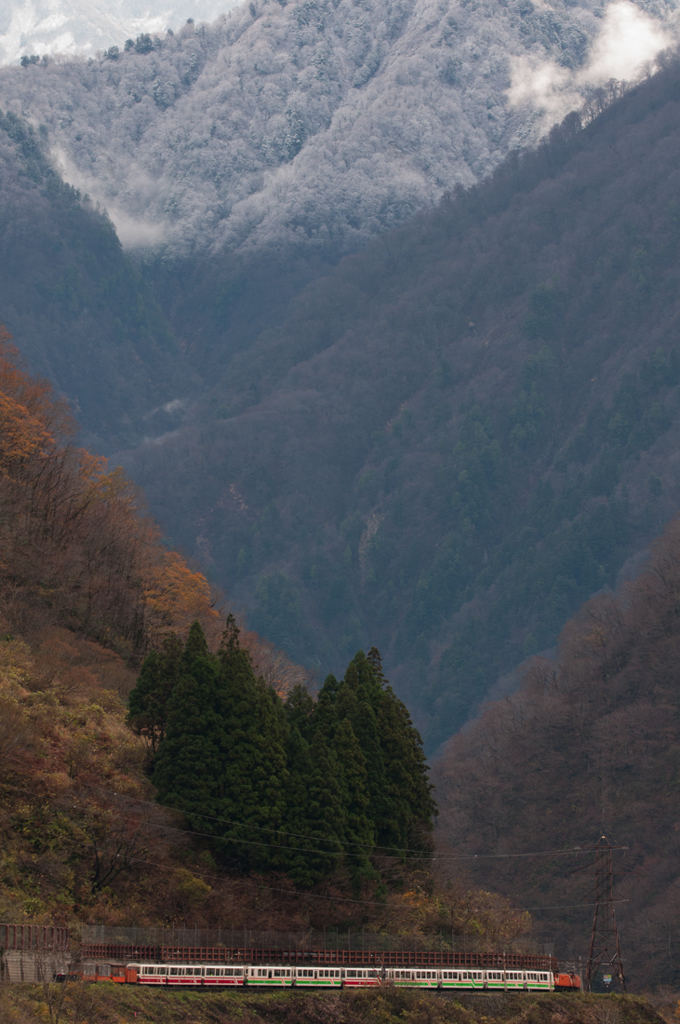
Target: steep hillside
column 76, row 305
column 86, row 589
column 461, row 433
column 590, row 741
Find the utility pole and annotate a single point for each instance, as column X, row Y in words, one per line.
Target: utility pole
column 604, row 941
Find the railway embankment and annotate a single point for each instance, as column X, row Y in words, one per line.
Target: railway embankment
column 79, row 1003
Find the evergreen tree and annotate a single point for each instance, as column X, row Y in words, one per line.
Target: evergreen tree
column 359, row 699
column 148, row 701
column 300, row 711
column 408, row 805
column 315, row 847
column 358, row 834
column 325, row 714
column 196, row 645
column 254, row 774
column 401, row 807
column 188, row 766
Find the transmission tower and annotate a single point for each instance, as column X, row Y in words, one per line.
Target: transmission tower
column 604, row 941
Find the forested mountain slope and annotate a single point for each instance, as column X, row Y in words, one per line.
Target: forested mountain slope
column 589, row 743
column 311, row 125
column 461, row 433
column 76, row 304
column 315, row 790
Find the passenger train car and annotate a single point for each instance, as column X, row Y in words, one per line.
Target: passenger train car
column 278, row 976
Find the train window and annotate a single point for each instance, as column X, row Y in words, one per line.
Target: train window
column 351, row 974
column 277, row 974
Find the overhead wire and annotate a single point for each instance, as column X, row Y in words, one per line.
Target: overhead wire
column 296, row 894
column 318, row 896
column 377, row 850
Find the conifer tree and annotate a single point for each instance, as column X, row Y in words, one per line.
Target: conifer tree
column 315, row 847
column 300, row 711
column 188, row 766
column 358, row 835
column 359, row 699
column 196, row 645
column 254, row 774
column 408, row 805
column 401, row 807
column 148, row 701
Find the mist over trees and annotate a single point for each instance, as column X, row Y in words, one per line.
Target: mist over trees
column 77, row 306
column 310, row 125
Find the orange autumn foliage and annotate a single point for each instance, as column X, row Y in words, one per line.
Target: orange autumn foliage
column 177, row 594
column 21, row 434
column 77, row 547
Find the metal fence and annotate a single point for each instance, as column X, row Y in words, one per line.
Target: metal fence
column 33, row 937
column 232, row 938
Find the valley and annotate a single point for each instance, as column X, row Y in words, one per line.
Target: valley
column 374, row 309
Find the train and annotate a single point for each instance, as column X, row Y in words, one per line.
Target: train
column 261, row 976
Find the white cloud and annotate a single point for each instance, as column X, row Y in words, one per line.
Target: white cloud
column 84, row 26
column 628, row 42
column 134, row 232
column 629, row 39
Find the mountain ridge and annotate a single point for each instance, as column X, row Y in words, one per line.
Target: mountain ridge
column 377, row 418
column 316, row 124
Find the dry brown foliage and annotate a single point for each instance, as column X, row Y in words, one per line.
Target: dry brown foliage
column 588, row 742
column 76, row 547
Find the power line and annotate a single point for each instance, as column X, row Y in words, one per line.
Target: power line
column 418, row 854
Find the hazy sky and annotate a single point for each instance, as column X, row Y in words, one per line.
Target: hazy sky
column 85, row 26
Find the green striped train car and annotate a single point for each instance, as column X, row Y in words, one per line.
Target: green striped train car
column 269, row 976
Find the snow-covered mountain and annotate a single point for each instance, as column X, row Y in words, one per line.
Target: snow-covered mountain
column 318, row 123
column 86, row 26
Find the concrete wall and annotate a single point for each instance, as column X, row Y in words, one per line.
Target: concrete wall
column 30, row 966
